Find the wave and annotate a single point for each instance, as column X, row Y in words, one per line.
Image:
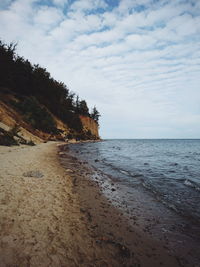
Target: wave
column 124, row 172
column 189, row 183
column 196, row 153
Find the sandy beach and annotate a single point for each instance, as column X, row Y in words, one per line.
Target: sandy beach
column 56, row 216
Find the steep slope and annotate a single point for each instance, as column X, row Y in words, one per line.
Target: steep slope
column 12, row 120
column 34, row 106
column 90, row 125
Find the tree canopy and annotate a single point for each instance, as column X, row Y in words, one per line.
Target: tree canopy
column 24, row 78
column 95, row 114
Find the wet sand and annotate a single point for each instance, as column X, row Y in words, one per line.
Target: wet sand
column 53, row 214
column 132, row 241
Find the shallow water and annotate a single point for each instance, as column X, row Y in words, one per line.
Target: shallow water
column 167, row 169
column 154, row 184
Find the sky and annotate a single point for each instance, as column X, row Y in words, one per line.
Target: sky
column 137, row 61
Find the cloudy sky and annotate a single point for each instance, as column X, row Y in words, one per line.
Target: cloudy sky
column 138, row 61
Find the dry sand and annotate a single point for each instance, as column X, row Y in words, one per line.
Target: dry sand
column 51, row 216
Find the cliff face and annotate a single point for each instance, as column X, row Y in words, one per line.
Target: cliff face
column 90, row 125
column 11, row 118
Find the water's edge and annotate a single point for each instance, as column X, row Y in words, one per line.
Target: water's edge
column 144, row 212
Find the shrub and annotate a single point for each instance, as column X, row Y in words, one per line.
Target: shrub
column 36, row 115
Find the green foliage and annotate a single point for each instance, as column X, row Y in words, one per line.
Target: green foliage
column 83, row 108
column 36, row 115
column 95, row 114
column 26, row 79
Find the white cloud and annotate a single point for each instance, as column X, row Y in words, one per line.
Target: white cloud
column 48, row 17
column 138, row 41
column 185, row 25
column 141, row 68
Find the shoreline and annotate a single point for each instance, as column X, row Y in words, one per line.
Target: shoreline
column 56, row 216
column 108, row 224
column 151, row 222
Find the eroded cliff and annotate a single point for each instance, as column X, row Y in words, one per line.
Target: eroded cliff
column 15, row 124
column 90, row 125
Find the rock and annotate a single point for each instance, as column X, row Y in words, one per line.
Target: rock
column 69, row 170
column 35, row 174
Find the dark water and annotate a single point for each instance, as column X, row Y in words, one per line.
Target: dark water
column 167, row 169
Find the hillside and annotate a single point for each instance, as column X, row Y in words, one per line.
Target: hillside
column 34, row 107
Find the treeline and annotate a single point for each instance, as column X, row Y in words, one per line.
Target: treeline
column 26, row 79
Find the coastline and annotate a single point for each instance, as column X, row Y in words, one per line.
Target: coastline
column 153, row 233
column 107, row 223
column 55, row 216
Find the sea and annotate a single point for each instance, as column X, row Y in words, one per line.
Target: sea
column 155, row 183
column 167, row 169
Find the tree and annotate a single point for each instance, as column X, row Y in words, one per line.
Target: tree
column 95, row 114
column 83, row 108
column 25, row 79
column 77, row 104
column 7, row 57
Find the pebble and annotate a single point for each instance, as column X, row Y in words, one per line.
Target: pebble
column 35, row 174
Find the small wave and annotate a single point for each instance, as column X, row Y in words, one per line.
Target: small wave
column 160, row 197
column 137, row 175
column 196, row 153
column 192, row 184
column 124, row 172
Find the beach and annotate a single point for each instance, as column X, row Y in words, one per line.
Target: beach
column 52, row 214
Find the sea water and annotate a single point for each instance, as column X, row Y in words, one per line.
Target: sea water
column 169, row 170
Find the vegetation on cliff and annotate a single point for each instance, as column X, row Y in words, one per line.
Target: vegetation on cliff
column 40, row 95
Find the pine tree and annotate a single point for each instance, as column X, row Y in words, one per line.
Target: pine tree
column 95, row 114
column 84, row 108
